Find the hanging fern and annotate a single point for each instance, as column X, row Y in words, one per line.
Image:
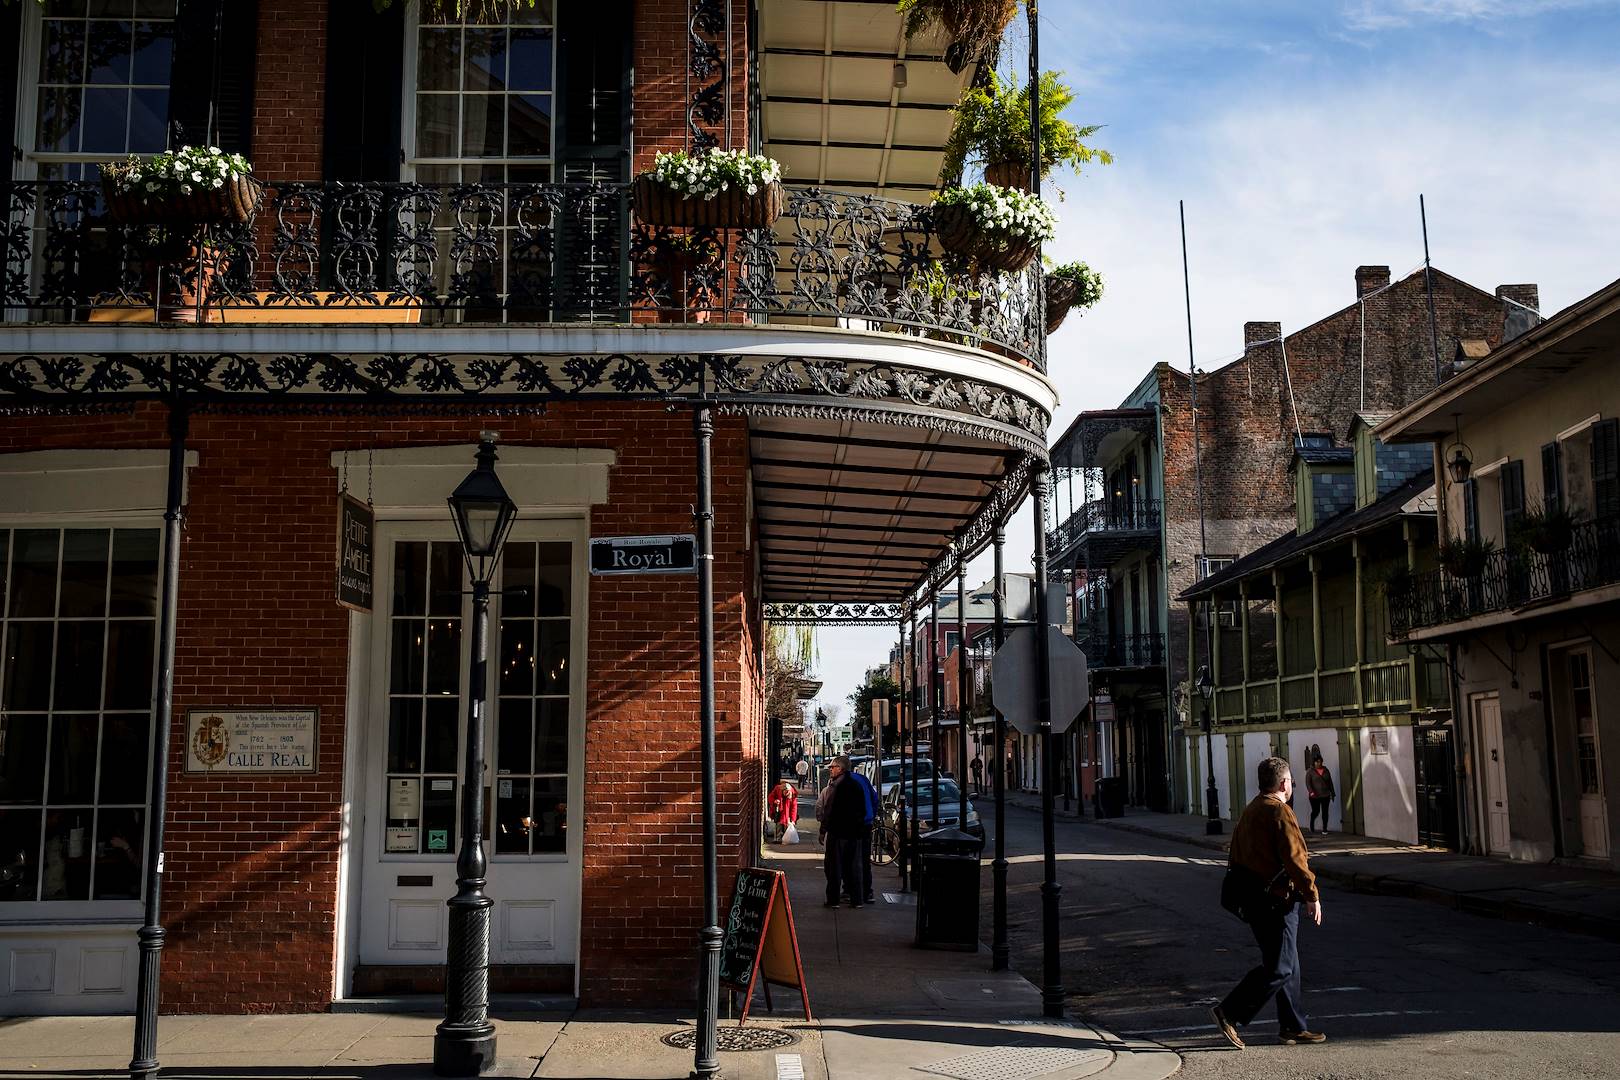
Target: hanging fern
column 973, row 26
column 992, row 128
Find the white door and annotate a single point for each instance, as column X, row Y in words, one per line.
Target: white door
column 1588, row 759
column 534, row 689
column 1493, row 771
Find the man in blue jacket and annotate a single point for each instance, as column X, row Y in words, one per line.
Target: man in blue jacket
column 866, row 834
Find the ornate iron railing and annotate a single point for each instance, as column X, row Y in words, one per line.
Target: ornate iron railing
column 1509, row 579
column 1105, row 516
column 1123, row 650
column 526, row 253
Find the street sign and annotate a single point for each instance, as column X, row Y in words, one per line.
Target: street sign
column 1012, row 680
column 644, row 554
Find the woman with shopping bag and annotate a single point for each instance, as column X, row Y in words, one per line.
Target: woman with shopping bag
column 783, row 805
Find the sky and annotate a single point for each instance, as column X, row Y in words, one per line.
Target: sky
column 1299, row 134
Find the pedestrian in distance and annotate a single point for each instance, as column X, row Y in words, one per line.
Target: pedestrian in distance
column 783, row 805
column 1319, row 788
column 976, row 767
column 1268, row 850
column 866, row 833
column 841, row 813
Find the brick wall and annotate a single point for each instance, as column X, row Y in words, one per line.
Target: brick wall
column 660, row 57
column 289, row 93
column 250, row 889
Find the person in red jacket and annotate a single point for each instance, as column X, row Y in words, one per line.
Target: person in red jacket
column 783, row 805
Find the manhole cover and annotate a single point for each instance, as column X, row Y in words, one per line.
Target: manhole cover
column 735, row 1038
column 1015, row 1062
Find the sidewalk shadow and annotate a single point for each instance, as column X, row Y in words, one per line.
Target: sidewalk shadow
column 957, row 1034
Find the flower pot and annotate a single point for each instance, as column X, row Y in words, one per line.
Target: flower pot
column 689, row 301
column 734, row 208
column 181, row 279
column 1008, row 174
column 959, row 233
column 233, row 202
column 1061, row 293
column 1552, row 538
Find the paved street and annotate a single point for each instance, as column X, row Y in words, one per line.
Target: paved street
column 1396, row 984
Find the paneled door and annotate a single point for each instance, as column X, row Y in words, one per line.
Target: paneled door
column 416, row 738
column 1588, row 757
column 1492, row 771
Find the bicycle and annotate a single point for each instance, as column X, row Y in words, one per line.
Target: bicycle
column 885, row 844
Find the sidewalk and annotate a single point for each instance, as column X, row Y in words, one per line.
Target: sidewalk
column 1567, row 898
column 883, row 1011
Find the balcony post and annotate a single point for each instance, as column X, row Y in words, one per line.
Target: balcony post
column 1360, row 625
column 1419, row 696
column 1243, row 624
column 1277, row 625
column 1316, row 629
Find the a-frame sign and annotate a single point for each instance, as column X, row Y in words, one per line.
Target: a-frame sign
column 760, row 940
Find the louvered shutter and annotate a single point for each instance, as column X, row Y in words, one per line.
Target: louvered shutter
column 211, row 79
column 1552, row 477
column 10, row 46
column 1512, row 497
column 1471, row 509
column 365, row 91
column 1606, row 469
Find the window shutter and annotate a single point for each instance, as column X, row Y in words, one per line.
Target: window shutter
column 1606, row 469
column 10, row 46
column 365, row 91
column 1552, row 477
column 1512, row 497
column 211, row 79
column 1471, row 509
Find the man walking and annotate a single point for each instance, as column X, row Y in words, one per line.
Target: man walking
column 976, row 766
column 842, row 814
column 866, row 833
column 1268, row 844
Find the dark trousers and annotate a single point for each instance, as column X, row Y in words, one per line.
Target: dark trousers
column 1277, row 975
column 866, row 863
column 1320, row 806
column 838, row 862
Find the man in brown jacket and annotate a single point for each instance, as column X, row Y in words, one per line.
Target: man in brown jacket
column 1268, row 843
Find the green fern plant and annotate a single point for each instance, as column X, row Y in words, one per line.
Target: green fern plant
column 992, row 128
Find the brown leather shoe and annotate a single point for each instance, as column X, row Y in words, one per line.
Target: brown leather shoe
column 1290, row 1038
column 1225, row 1026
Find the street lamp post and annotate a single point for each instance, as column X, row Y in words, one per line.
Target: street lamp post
column 1206, row 690
column 464, row 1044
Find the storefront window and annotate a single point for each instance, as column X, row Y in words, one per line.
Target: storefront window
column 78, row 613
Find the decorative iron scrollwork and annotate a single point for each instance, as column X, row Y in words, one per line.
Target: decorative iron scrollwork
column 852, row 613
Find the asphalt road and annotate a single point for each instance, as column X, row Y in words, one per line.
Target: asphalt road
column 1402, row 988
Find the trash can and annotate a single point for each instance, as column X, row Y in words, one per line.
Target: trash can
column 947, row 883
column 1110, row 796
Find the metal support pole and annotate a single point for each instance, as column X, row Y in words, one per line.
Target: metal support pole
column 1052, row 974
column 998, row 765
column 900, row 793
column 936, row 686
column 706, row 1054
column 1212, row 794
column 963, row 685
column 909, row 821
column 143, row 1062
column 1428, row 287
column 464, row 1043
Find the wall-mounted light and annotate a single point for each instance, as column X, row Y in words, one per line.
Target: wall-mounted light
column 899, row 75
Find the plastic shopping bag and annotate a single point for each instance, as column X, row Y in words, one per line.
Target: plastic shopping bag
column 790, row 835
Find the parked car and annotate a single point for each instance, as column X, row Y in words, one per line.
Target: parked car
column 949, row 800
column 922, row 768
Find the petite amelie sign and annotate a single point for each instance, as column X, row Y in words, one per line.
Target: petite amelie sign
column 355, row 548
column 675, row 554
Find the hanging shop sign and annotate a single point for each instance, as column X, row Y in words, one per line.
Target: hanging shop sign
column 252, row 741
column 644, row 554
column 355, row 547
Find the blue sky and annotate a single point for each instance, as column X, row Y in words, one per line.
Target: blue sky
column 1300, row 135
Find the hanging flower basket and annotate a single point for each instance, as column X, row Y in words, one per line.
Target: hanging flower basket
column 1008, row 174
column 1072, row 285
column 720, row 189
column 190, row 186
column 1000, row 228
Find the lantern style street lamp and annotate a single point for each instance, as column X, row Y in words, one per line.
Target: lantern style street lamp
column 1461, row 462
column 1212, row 798
column 464, row 1044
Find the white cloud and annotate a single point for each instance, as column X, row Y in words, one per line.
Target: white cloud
column 1374, row 15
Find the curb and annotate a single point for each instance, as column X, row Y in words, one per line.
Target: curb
column 1517, row 911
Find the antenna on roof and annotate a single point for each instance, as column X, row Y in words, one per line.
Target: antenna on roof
column 1428, row 284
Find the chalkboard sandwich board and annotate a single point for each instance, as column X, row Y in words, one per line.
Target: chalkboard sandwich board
column 761, row 940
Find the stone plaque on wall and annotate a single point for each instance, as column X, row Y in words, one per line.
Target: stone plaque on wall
column 252, row 741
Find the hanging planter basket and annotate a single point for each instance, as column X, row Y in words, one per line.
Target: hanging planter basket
column 1008, row 174
column 660, row 205
column 1061, row 293
column 960, row 233
column 233, row 203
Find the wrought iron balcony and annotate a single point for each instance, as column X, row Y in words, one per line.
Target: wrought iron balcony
column 1123, row 650
column 1510, row 579
column 510, row 253
column 1122, row 523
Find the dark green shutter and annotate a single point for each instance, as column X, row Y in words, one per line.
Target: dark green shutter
column 1471, row 509
column 211, row 81
column 1552, row 477
column 1512, row 497
column 10, row 46
column 365, row 75
column 1606, row 469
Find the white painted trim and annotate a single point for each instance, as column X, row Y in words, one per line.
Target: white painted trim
column 357, row 705
column 1483, row 472
column 1580, row 428
column 421, row 477
column 55, row 484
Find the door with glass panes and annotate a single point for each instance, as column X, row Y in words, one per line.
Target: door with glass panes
column 416, row 744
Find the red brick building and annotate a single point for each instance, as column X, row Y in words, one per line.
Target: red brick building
column 447, row 243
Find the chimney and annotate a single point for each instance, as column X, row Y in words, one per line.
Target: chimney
column 1256, row 332
column 1370, row 279
column 1521, row 309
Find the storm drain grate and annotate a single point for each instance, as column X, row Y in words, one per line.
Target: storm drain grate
column 1015, row 1062
column 735, row 1038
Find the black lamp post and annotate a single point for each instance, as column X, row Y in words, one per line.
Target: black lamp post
column 464, row 1044
column 1206, row 690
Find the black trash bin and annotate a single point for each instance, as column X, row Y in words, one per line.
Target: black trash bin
column 1111, row 796
column 948, row 890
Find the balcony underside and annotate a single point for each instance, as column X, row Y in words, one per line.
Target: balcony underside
column 1106, row 549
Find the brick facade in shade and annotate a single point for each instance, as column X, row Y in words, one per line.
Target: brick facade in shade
column 289, row 92
column 1248, row 410
column 251, row 881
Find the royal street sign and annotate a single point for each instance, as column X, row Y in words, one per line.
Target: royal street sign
column 644, row 554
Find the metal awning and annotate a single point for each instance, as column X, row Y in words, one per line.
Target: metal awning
column 832, row 114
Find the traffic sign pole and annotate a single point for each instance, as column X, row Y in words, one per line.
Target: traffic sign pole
column 1052, row 975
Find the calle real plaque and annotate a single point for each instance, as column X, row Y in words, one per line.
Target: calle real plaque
column 251, row 741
